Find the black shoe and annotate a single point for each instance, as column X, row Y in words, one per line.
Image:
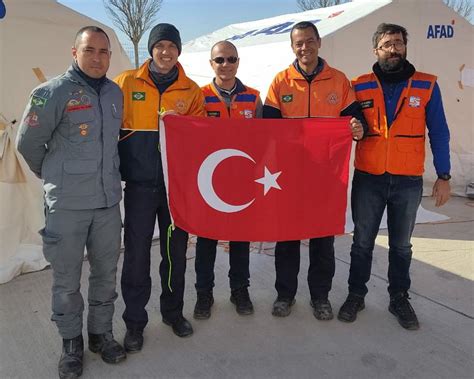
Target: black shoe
column 181, row 327
column 202, row 309
column 243, row 305
column 322, row 309
column 110, row 350
column 282, row 307
column 70, row 363
column 133, row 341
column 403, row 311
column 352, row 305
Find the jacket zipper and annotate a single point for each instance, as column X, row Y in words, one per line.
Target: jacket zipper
column 157, row 163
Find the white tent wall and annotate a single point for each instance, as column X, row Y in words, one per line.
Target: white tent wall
column 346, row 45
column 34, row 33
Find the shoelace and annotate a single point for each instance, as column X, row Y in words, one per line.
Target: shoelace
column 404, row 307
column 352, row 304
column 205, row 299
column 241, row 296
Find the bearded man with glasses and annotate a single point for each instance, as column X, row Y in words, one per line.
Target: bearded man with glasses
column 225, row 97
column 399, row 103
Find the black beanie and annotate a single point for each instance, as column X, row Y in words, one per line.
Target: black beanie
column 161, row 32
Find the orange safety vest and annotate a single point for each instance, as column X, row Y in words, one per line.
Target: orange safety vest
column 327, row 95
column 143, row 103
column 400, row 148
column 243, row 104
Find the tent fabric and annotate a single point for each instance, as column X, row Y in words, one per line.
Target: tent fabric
column 441, row 42
column 34, row 34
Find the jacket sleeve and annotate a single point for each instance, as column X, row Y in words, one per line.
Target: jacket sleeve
column 352, row 107
column 197, row 104
column 438, row 132
column 40, row 119
column 271, row 108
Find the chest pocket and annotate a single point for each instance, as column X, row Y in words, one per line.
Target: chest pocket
column 82, row 126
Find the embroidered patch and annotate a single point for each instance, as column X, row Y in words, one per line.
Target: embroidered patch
column 78, row 107
column 78, row 104
column 414, row 102
column 32, row 120
column 138, row 96
column 38, row 101
column 247, row 113
column 287, row 98
column 83, row 129
column 213, row 114
column 332, row 98
column 180, row 106
column 367, row 104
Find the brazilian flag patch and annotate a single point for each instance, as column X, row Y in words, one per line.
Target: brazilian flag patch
column 38, row 101
column 287, row 98
column 138, row 96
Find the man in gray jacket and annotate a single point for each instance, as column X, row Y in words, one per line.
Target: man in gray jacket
column 68, row 136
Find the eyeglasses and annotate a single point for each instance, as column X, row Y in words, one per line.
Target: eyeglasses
column 220, row 60
column 398, row 45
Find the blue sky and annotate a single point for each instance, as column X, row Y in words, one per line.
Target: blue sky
column 197, row 17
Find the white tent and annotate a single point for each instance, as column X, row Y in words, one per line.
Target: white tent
column 440, row 42
column 34, row 34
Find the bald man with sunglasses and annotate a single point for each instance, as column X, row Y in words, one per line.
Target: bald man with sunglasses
column 225, row 97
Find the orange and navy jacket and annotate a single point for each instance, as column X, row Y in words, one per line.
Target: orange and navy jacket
column 398, row 148
column 328, row 94
column 244, row 104
column 143, row 104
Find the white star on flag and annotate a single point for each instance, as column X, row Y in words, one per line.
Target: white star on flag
column 269, row 180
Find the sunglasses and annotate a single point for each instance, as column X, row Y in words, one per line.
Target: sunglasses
column 220, row 60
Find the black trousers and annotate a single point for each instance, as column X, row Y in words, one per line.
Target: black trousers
column 143, row 206
column 321, row 267
column 239, row 273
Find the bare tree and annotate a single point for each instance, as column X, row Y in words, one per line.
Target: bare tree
column 133, row 17
column 463, row 7
column 306, row 5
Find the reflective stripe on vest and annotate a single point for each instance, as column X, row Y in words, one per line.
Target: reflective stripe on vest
column 400, row 148
column 243, row 104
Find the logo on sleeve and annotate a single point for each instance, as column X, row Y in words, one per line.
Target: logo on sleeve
column 414, row 102
column 367, row 104
column 287, row 98
column 38, row 101
column 138, row 96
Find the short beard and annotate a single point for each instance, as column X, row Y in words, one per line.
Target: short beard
column 388, row 66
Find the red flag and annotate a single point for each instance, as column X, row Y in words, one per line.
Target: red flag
column 257, row 179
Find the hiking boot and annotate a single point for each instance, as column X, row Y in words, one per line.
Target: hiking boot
column 133, row 341
column 181, row 327
column 282, row 307
column 243, row 305
column 352, row 305
column 403, row 311
column 70, row 363
column 110, row 350
column 322, row 309
column 202, row 309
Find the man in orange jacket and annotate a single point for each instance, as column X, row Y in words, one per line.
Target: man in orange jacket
column 159, row 85
column 399, row 103
column 225, row 97
column 309, row 87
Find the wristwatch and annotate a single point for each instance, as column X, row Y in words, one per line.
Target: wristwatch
column 444, row 176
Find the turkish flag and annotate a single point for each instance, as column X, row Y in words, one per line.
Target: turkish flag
column 257, row 179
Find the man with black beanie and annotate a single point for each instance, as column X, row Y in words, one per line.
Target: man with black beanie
column 159, row 85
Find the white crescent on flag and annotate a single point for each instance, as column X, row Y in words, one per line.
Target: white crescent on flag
column 207, row 191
